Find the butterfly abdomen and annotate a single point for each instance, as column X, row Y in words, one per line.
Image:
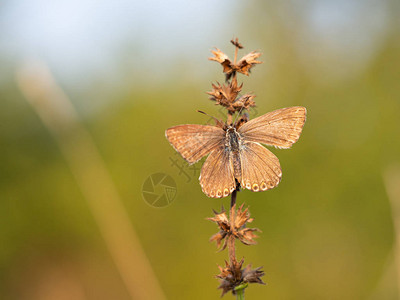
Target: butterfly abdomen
column 237, row 166
column 233, row 143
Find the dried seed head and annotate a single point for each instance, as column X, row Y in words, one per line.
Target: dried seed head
column 227, row 95
column 233, row 275
column 234, row 226
column 243, row 66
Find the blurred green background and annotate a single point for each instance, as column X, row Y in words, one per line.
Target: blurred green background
column 132, row 69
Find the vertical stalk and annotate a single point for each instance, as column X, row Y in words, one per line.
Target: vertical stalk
column 239, row 291
column 236, row 52
column 233, row 198
column 231, row 238
column 240, row 294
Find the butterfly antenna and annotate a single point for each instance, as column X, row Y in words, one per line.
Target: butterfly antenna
column 216, row 120
column 238, row 114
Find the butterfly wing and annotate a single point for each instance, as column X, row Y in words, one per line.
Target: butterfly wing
column 280, row 128
column 194, row 141
column 261, row 170
column 216, row 177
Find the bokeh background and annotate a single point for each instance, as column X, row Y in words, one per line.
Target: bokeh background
column 131, row 69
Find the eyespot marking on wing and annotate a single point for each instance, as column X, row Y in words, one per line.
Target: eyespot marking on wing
column 255, row 187
column 264, row 186
column 226, row 192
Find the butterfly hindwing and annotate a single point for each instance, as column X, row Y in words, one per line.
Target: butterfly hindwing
column 194, row 141
column 280, row 128
column 216, row 177
column 261, row 170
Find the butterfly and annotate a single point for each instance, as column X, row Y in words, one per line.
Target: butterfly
column 235, row 154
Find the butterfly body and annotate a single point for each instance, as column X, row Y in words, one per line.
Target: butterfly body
column 232, row 139
column 233, row 145
column 235, row 154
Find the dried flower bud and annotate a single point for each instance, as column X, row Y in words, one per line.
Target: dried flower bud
column 236, row 43
column 234, row 226
column 227, row 95
column 242, row 66
column 233, row 275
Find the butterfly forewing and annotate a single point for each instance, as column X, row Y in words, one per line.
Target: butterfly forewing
column 195, row 141
column 261, row 170
column 280, row 128
column 216, row 177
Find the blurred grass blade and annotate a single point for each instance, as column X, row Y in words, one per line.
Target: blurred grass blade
column 391, row 178
column 59, row 116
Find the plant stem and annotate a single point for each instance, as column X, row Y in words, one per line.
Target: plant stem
column 232, row 250
column 233, row 198
column 240, row 294
column 236, row 52
column 231, row 239
column 240, row 290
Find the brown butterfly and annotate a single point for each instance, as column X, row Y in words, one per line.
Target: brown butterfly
column 235, row 152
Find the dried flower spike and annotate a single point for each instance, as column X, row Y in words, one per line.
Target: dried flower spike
column 234, row 226
column 243, row 66
column 233, row 276
column 227, row 95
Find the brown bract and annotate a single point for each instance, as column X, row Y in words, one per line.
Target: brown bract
column 243, row 66
column 246, row 101
column 234, row 226
column 227, row 96
column 232, row 275
column 235, row 42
